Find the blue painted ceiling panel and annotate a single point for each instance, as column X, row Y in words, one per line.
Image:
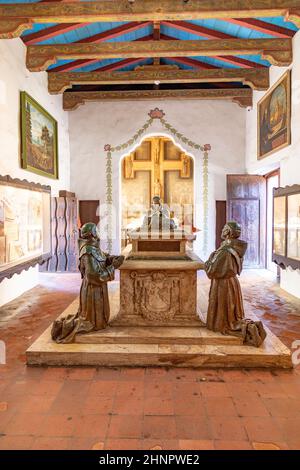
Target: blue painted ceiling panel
column 37, row 27
column 133, row 35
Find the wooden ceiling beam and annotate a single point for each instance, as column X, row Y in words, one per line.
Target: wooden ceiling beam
column 17, row 18
column 241, row 96
column 76, row 64
column 277, row 51
column 110, row 67
column 257, row 79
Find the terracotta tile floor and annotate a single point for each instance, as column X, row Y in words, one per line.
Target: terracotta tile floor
column 97, row 408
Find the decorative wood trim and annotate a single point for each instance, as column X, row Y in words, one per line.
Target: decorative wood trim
column 9, row 272
column 284, row 261
column 147, row 10
column 242, row 96
column 25, row 184
column 287, row 190
column 277, row 51
column 18, row 268
column 257, row 79
column 11, row 29
column 293, row 15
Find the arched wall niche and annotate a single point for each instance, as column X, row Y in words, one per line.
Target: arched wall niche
column 158, row 165
column 112, row 213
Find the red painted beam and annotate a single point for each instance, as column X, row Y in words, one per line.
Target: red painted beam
column 50, row 32
column 263, row 27
column 118, row 65
column 115, row 32
column 75, row 64
column 197, row 64
column 53, row 31
column 247, row 64
column 211, row 34
column 197, row 30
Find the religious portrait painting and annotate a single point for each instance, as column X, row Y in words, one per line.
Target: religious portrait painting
column 39, row 152
column 274, row 118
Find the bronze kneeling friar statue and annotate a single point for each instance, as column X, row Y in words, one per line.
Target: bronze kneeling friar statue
column 225, row 309
column 96, row 268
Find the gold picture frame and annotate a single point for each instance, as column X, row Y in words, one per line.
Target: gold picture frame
column 39, row 141
column 274, row 118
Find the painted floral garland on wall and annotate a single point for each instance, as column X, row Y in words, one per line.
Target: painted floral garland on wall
column 155, row 114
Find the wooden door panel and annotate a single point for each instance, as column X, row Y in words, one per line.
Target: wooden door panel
column 61, row 230
column 220, row 220
column 71, row 235
column 64, row 236
column 246, row 204
column 246, row 213
column 88, row 211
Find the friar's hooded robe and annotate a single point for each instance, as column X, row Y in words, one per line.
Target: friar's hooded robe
column 93, row 313
column 225, row 307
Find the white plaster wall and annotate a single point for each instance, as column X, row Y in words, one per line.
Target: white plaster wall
column 219, row 123
column 14, row 77
column 287, row 159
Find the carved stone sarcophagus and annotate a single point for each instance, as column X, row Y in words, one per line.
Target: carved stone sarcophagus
column 158, row 281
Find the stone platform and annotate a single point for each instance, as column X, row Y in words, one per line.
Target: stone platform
column 156, row 346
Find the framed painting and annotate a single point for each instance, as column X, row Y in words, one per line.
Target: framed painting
column 274, row 118
column 39, row 149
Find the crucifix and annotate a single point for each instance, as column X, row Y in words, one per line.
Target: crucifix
column 157, row 164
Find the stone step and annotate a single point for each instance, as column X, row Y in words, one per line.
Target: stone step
column 157, row 335
column 176, row 355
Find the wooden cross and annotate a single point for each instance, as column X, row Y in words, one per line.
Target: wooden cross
column 157, row 165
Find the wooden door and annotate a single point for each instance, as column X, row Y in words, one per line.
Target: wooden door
column 71, row 235
column 64, row 236
column 88, row 212
column 220, row 220
column 246, row 204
